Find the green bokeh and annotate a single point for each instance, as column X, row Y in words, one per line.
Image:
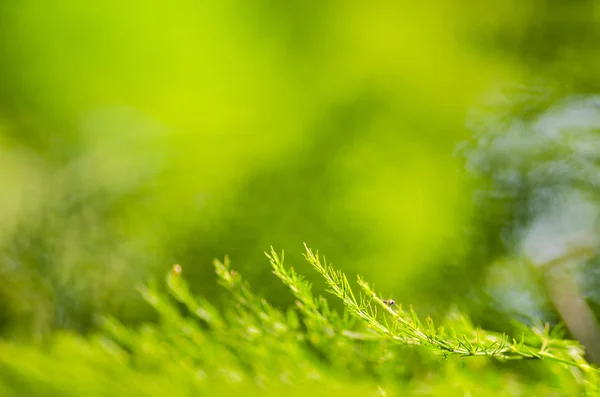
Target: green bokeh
column 135, row 135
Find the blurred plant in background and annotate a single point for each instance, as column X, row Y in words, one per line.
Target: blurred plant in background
column 139, row 136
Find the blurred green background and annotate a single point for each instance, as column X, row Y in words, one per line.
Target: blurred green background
column 135, row 135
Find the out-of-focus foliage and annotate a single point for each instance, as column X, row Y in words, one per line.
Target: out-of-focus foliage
column 137, row 135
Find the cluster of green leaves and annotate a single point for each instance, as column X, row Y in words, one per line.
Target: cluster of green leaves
column 254, row 347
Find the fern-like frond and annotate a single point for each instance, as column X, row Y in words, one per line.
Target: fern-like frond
column 405, row 327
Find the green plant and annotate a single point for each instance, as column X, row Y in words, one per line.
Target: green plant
column 371, row 347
